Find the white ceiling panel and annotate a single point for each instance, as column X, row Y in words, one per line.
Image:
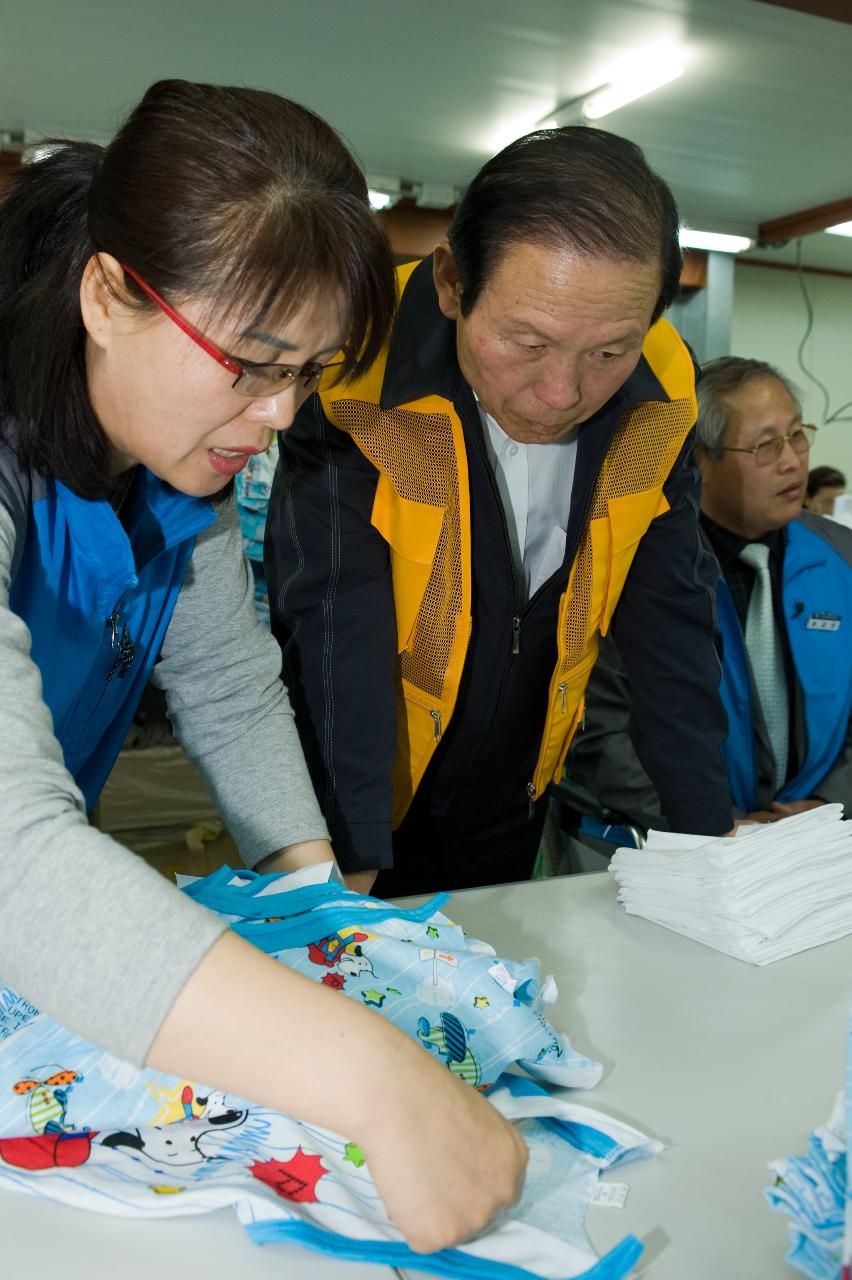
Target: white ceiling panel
column 757, row 127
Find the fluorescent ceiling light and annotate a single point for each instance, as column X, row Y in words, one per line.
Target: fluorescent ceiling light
column 713, row 240
column 632, row 78
column 383, row 189
column 841, row 229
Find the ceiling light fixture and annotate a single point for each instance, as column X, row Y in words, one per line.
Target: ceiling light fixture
column 383, row 190
column 630, row 79
column 840, row 229
column 634, row 85
column 713, row 240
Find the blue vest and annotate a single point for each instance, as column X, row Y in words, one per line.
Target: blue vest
column 817, row 579
column 98, row 601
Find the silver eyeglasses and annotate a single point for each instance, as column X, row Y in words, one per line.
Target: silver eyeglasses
column 799, row 439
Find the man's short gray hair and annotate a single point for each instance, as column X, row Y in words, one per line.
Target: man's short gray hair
column 718, row 379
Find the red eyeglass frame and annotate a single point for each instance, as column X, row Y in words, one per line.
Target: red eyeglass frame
column 186, row 325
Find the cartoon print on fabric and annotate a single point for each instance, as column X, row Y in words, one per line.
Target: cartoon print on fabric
column 163, row 1145
column 174, row 1145
column 47, row 1151
column 353, row 1153
column 183, row 1103
column 56, row 1144
column 294, row 1179
column 48, row 1089
column 449, row 1040
column 552, row 1048
column 341, row 952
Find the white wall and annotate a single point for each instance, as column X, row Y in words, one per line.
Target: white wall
column 769, row 319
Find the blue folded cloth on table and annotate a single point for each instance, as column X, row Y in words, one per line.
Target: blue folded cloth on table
column 813, row 1192
column 82, row 1127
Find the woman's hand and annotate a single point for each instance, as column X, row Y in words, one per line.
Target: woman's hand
column 444, row 1160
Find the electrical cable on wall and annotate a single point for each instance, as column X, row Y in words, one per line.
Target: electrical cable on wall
column 827, row 416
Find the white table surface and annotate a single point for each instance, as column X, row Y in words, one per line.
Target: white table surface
column 729, row 1064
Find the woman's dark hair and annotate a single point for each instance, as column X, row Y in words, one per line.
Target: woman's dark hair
column 576, row 186
column 235, row 196
column 825, row 478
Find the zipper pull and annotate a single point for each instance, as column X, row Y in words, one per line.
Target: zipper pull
column 112, row 621
column 436, row 716
column 561, row 691
column 531, row 798
column 516, row 635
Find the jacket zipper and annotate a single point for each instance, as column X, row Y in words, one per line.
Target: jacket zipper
column 516, row 634
column 436, row 716
column 483, row 453
column 518, row 618
column 570, row 554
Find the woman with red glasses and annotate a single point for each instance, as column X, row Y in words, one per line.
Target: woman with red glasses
column 166, row 304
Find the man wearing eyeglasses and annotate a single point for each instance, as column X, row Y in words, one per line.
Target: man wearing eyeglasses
column 785, row 614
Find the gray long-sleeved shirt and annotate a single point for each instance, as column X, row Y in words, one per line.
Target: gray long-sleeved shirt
column 88, row 932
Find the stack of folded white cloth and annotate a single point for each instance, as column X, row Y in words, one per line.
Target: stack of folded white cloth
column 764, row 894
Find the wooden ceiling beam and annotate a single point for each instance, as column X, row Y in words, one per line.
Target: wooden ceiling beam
column 9, row 160
column 837, row 10
column 805, row 222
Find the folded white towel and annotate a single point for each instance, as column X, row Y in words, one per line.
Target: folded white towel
column 764, row 894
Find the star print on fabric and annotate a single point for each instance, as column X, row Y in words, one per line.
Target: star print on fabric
column 432, row 932
column 374, row 997
column 481, row 1002
column 353, row 1153
column 335, row 980
column 294, row 1179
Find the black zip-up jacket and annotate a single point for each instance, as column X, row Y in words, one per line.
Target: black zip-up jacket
column 332, row 610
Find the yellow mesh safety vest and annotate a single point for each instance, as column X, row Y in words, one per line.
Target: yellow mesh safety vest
column 422, row 510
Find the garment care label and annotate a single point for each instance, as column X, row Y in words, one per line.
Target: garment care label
column 502, row 977
column 610, row 1195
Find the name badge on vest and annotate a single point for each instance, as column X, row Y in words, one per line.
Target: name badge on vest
column 823, row 622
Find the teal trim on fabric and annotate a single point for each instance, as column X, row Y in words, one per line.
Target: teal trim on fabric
column 445, row 1262
column 583, row 1136
column 311, row 926
column 247, row 900
column 306, row 914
